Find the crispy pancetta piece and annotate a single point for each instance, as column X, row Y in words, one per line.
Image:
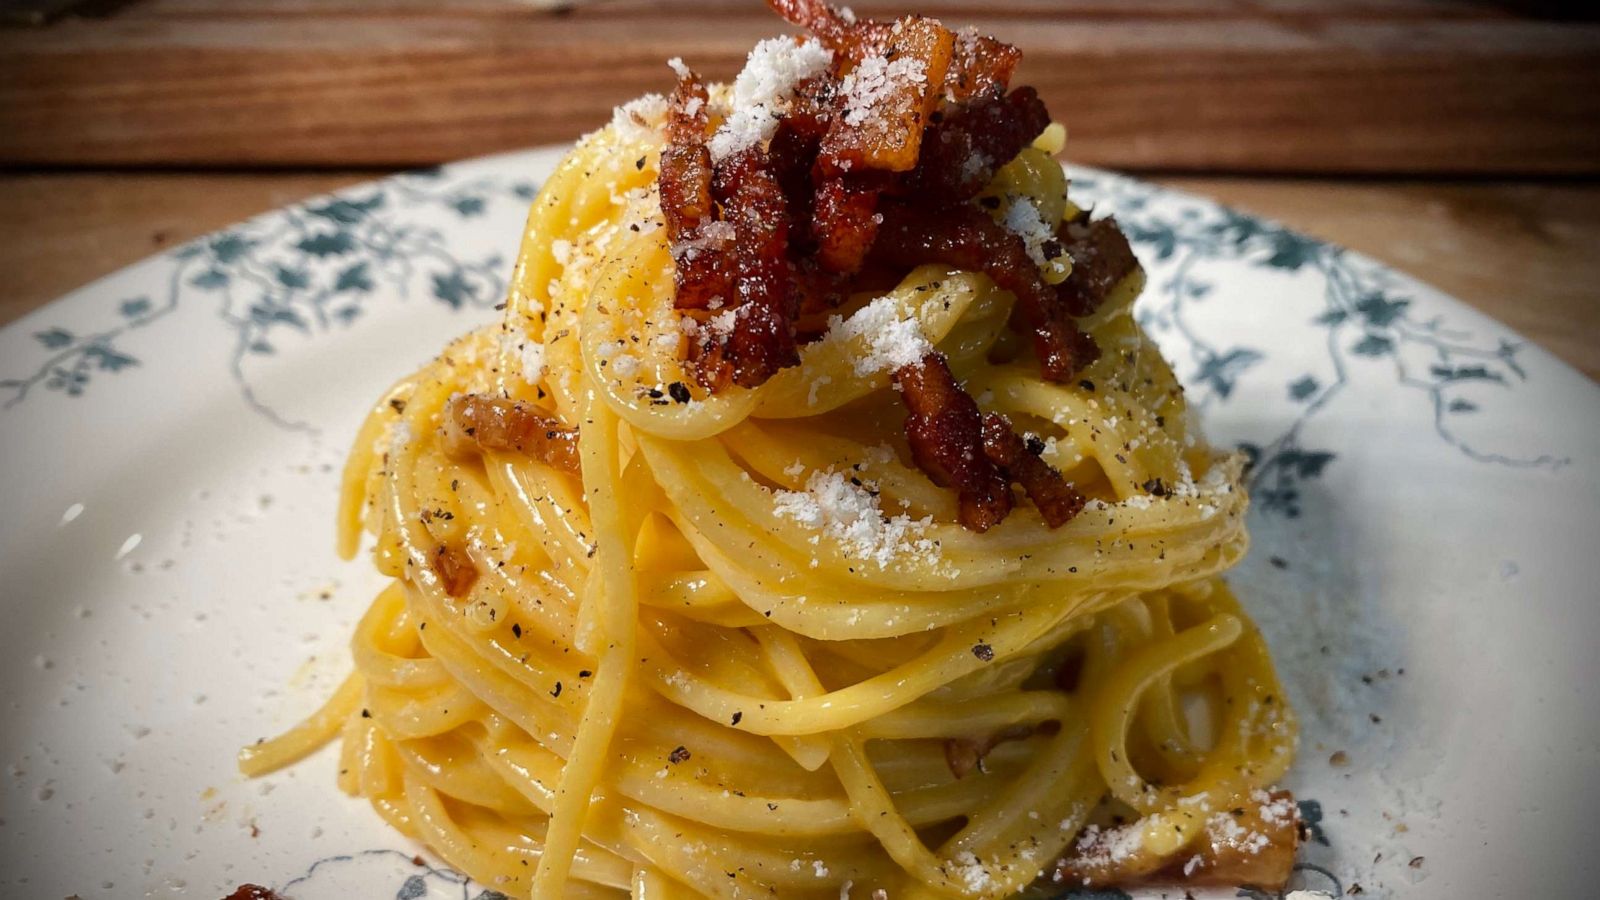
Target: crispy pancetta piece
column 455, row 569
column 967, row 238
column 980, row 65
column 700, row 250
column 253, row 892
column 492, row 423
column 885, row 101
column 1058, row 501
column 844, row 223
column 1101, row 258
column 962, row 151
column 820, row 18
column 946, row 436
column 977, row 63
column 754, row 337
column 966, row 755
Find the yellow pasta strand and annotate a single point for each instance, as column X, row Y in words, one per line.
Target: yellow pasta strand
column 735, row 657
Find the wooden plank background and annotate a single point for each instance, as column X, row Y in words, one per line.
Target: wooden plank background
column 1329, row 86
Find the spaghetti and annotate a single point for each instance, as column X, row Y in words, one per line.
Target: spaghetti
column 655, row 637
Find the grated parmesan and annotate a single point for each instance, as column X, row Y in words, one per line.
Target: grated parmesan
column 640, row 119
column 846, row 509
column 625, row 365
column 722, row 323
column 532, row 361
column 972, row 873
column 1113, row 844
column 667, row 342
column 1022, row 219
column 712, row 236
column 763, row 89
column 892, row 342
column 821, row 382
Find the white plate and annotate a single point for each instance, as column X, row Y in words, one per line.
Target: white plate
column 1426, row 524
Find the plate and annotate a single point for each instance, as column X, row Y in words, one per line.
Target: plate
column 1426, row 521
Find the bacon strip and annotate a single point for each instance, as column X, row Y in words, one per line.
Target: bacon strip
column 1057, row 499
column 844, row 223
column 964, row 755
column 793, row 152
column 967, row 238
column 253, row 892
column 820, row 18
column 946, row 437
column 457, row 573
column 1239, row 848
column 761, row 339
column 972, row 140
column 700, row 273
column 1101, row 258
column 496, row 424
column 887, row 99
column 980, row 64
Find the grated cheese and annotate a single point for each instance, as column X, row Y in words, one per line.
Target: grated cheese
column 400, row 437
column 972, row 873
column 722, row 323
column 712, row 236
column 835, row 504
column 533, row 363
column 640, row 119
column 1022, row 219
column 892, row 342
column 763, row 90
column 667, row 342
column 821, row 382
column 1113, row 844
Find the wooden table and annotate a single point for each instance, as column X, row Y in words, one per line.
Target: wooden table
column 1371, row 86
column 1527, row 253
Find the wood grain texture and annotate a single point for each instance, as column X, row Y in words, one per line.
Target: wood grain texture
column 1523, row 253
column 1251, row 85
